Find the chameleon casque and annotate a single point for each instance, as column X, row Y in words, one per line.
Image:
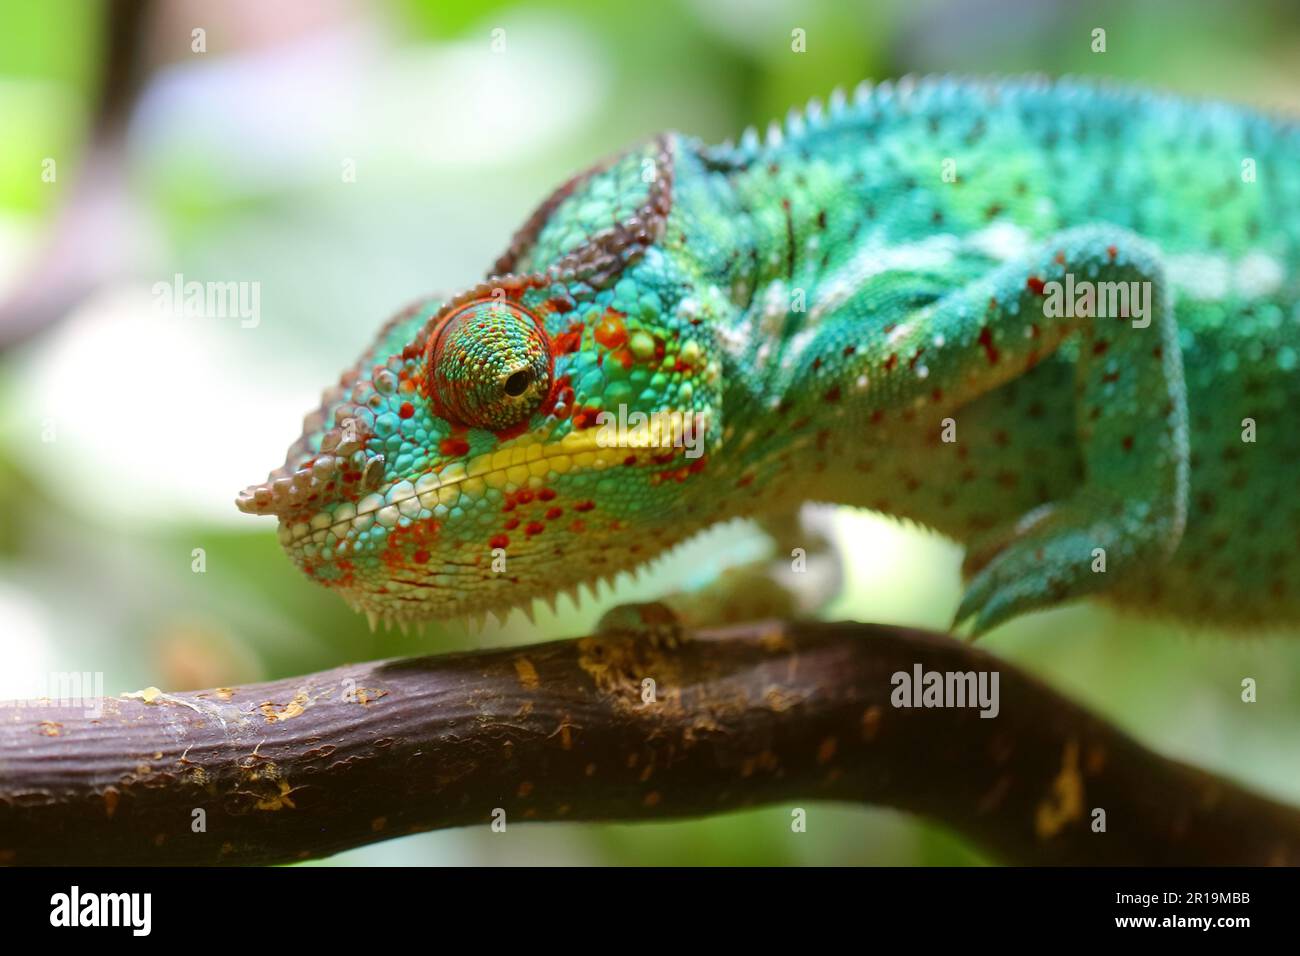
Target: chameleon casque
column 857, row 310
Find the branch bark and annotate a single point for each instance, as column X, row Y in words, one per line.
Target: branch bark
column 761, row 713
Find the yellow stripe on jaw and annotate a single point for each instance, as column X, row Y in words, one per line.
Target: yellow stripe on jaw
column 528, row 461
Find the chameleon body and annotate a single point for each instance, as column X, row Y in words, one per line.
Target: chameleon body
column 862, row 308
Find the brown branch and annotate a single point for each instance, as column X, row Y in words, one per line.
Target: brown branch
column 760, row 713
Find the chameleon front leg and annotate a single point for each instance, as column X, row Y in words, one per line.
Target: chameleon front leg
column 1130, row 412
column 802, row 575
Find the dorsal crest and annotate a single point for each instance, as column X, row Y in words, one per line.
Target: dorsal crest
column 597, row 222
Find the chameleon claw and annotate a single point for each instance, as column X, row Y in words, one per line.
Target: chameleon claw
column 653, row 620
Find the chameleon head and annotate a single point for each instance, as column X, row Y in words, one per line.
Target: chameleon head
column 539, row 431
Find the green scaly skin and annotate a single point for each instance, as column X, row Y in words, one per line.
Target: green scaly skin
column 829, row 306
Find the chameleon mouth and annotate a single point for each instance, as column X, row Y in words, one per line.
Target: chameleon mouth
column 531, row 462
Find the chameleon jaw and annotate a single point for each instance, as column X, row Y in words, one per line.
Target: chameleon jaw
column 522, row 465
column 342, row 546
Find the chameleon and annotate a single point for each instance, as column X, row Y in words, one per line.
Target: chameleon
column 1055, row 320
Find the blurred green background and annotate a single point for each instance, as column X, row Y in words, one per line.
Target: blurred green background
column 124, row 435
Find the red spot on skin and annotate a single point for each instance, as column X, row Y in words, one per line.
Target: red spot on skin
column 554, row 513
column 849, row 350
column 534, row 527
column 1059, row 258
column 629, row 461
column 833, row 395
column 678, row 475
column 561, row 304
column 911, row 363
column 525, row 496
column 611, row 332
column 585, row 417
column 877, row 416
column 891, row 362
column 584, row 506
column 986, row 340
column 566, row 343
column 936, row 396
column 407, row 410
column 346, row 578
column 1111, row 253
column 499, row 541
column 546, row 494
column 1100, row 346
column 1034, row 285
column 511, row 524
column 1157, row 352
column 453, row 447
column 745, row 481
column 817, row 364
column 514, row 431
column 1127, row 442
column 409, row 545
column 577, row 526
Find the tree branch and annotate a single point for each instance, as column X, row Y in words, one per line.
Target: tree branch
column 760, row 713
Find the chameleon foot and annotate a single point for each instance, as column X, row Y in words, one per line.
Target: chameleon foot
column 1061, row 552
column 653, row 621
column 771, row 587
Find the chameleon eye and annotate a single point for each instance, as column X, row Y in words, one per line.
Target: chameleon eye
column 489, row 364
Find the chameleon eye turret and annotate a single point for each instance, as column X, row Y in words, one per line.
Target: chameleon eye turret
column 490, row 365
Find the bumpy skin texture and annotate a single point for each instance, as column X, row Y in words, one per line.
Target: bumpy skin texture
column 828, row 306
